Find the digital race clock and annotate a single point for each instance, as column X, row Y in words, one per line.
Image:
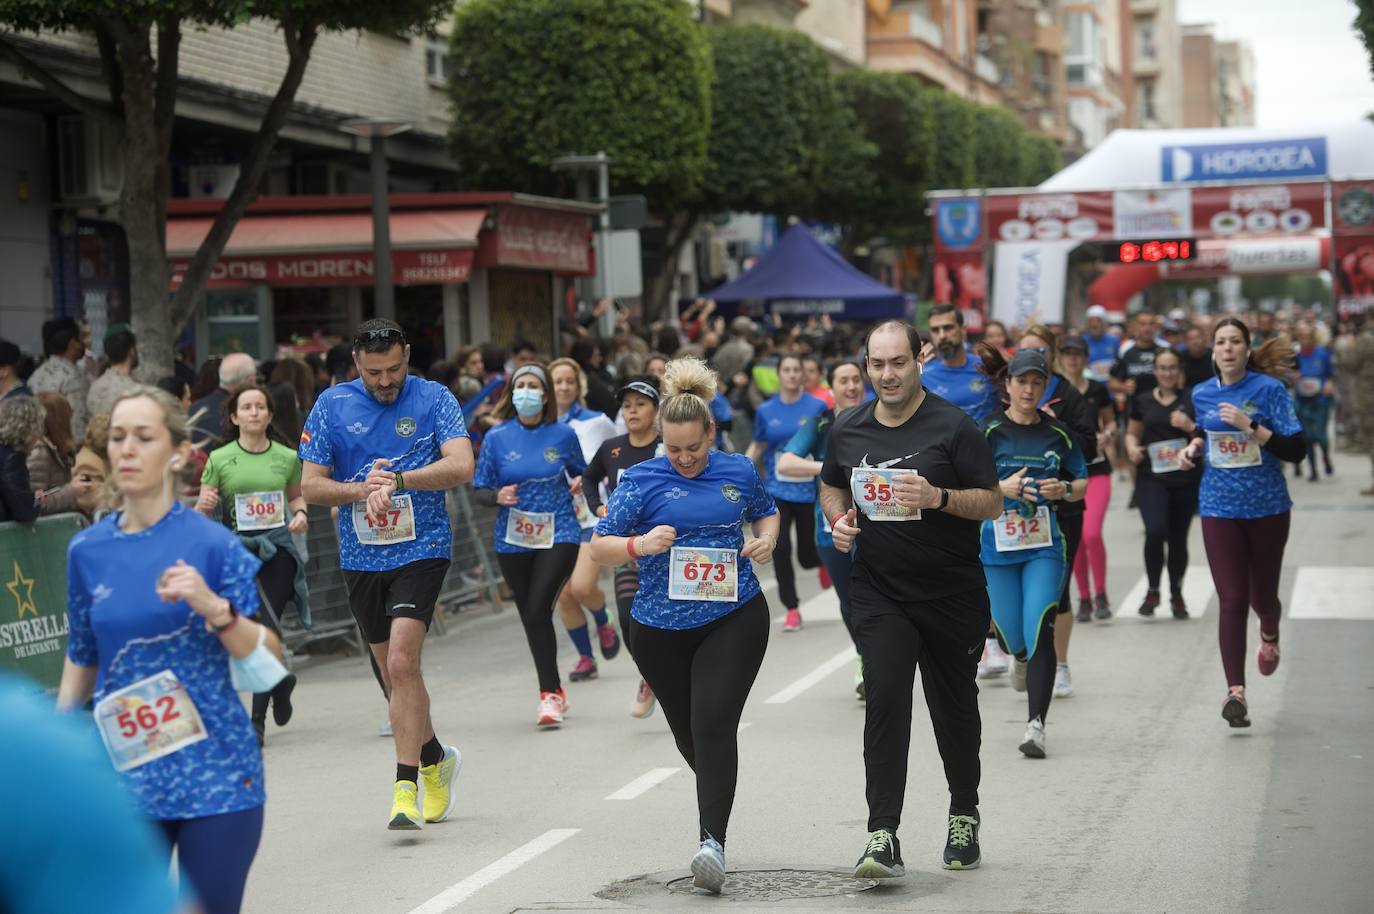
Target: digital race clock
column 1149, row 251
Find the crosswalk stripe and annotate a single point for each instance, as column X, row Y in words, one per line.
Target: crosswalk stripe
column 1332, row 592
column 1198, row 591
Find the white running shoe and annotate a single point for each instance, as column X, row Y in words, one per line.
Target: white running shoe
column 1033, row 745
column 644, row 701
column 1018, row 674
column 552, row 707
column 385, row 729
column 1063, row 684
column 994, row 662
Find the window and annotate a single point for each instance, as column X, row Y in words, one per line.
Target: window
column 1146, row 100
column 1076, row 73
column 1145, row 41
column 436, row 59
column 1080, row 29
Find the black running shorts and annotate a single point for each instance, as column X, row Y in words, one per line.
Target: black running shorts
column 410, row 592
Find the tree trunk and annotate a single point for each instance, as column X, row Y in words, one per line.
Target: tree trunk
column 678, row 231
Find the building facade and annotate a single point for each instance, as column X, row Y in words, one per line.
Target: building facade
column 1096, row 77
column 1156, row 64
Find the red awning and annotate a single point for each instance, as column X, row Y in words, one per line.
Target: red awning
column 429, row 247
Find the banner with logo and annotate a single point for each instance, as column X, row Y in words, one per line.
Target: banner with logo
column 958, row 223
column 1028, row 281
column 33, row 596
column 1352, row 214
column 1302, row 157
column 1259, row 209
column 1152, row 213
column 1049, row 217
column 961, row 279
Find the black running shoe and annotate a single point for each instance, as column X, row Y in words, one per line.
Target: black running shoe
column 1147, row 608
column 1235, row 710
column 1179, row 607
column 882, row 857
column 1101, row 608
column 961, row 847
column 281, row 700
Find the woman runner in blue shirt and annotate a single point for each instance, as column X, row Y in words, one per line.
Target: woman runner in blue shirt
column 699, row 623
column 1315, row 386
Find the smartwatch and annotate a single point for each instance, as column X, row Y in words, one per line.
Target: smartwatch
column 944, row 499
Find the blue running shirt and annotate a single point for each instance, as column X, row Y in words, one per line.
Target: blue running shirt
column 775, row 422
column 1315, row 368
column 348, row 431
column 966, row 386
column 1047, row 448
column 120, row 626
column 1245, row 492
column 1102, row 351
column 537, row 460
column 809, row 442
column 709, row 510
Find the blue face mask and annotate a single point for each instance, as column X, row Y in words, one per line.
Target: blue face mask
column 260, row 671
column 528, row 401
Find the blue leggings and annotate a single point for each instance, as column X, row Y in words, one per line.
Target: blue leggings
column 1024, row 598
column 839, row 564
column 214, row 854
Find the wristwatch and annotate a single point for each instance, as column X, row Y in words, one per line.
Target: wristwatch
column 944, row 499
column 400, row 481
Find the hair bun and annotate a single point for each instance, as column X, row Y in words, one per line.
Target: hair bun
column 689, row 376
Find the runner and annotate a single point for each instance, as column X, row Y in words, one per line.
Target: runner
column 1315, row 387
column 639, row 407
column 384, row 448
column 257, row 481
column 1025, row 551
column 1249, row 424
column 582, row 590
column 924, row 477
column 813, row 370
column 524, row 468
column 775, row 422
column 699, row 624
column 1166, row 494
column 1102, row 345
column 166, row 703
column 804, row 455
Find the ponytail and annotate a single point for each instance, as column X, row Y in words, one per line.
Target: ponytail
column 688, row 388
column 1271, row 358
column 994, row 362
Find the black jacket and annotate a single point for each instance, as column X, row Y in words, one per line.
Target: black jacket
column 16, row 492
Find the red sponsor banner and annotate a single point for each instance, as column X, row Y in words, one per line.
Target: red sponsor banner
column 1354, row 272
column 1259, row 209
column 408, row 268
column 961, row 279
column 538, row 239
column 1050, row 216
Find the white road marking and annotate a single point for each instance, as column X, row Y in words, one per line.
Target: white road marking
column 1330, row 592
column 1198, row 591
column 643, row 783
column 744, row 726
column 460, row 892
column 844, row 657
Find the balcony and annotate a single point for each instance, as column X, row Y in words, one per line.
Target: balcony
column 1145, row 66
column 927, row 31
column 987, row 70
column 1145, row 7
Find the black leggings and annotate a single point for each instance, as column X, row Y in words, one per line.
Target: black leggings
column 536, row 577
column 1071, row 523
column 626, row 586
column 1168, row 514
column 803, row 515
column 277, row 578
column 702, row 677
column 1040, row 670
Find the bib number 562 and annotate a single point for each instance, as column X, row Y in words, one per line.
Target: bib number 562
column 145, row 718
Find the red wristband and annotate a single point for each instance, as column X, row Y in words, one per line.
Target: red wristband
column 630, row 548
column 836, row 519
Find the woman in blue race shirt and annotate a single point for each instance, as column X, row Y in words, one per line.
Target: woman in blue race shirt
column 159, row 599
column 1315, row 387
column 775, row 422
column 1245, row 427
column 524, row 467
column 1024, row 551
column 698, row 626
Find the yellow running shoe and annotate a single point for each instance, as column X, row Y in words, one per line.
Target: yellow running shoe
column 405, row 815
column 438, row 780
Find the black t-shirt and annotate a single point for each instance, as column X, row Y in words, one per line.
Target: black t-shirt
column 938, row 555
column 1097, row 397
column 1138, row 362
column 1196, row 368
column 1154, row 419
column 610, row 460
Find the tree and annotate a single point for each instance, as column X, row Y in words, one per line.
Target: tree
column 1364, row 26
column 955, row 166
column 1040, row 158
column 139, row 43
column 997, row 147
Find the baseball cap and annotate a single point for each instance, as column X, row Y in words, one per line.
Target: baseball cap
column 9, row 353
column 1026, row 361
column 1073, row 342
column 1178, row 314
column 1097, row 311
column 642, row 386
column 117, row 328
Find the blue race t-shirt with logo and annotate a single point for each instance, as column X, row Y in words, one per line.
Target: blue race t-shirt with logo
column 775, row 422
column 537, row 461
column 809, row 442
column 1245, row 492
column 966, row 386
column 1315, row 368
column 1047, row 450
column 121, row 627
column 709, row 510
column 348, row 431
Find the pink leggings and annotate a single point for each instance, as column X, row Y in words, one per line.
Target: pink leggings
column 1092, row 551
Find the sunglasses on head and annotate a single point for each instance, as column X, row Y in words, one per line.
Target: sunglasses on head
column 386, row 333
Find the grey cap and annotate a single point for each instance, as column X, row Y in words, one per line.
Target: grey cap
column 1027, row 361
column 1073, row 342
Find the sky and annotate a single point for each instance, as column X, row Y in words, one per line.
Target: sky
column 1311, row 68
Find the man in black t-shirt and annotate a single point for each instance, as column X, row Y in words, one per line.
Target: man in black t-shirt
column 906, row 480
column 1196, row 358
column 1134, row 371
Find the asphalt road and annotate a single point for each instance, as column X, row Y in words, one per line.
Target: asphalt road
column 1147, row 801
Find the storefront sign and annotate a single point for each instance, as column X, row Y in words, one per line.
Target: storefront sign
column 408, row 268
column 539, row 239
column 1303, row 157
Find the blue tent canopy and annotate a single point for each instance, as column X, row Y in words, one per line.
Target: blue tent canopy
column 800, row 275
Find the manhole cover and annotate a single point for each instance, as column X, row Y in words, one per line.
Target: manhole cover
column 778, row 885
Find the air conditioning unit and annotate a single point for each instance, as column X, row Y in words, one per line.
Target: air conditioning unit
column 211, row 180
column 90, row 165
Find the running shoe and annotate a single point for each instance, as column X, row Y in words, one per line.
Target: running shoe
column 961, row 847
column 793, row 622
column 1018, row 674
column 860, row 689
column 438, row 780
column 644, row 701
column 405, row 815
column 1033, row 744
column 1147, row 606
column 610, row 640
column 824, row 575
column 708, row 866
column 994, row 662
column 385, row 729
column 882, row 857
column 552, row 707
column 1063, row 683
column 1085, row 610
column 1268, row 656
column 281, row 700
column 1236, row 711
column 1179, row 607
column 1101, row 608
column 585, row 669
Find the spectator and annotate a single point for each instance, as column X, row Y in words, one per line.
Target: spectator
column 600, row 387
column 315, row 362
column 302, row 380
column 21, row 427
column 122, row 351
column 522, row 352
column 59, row 372
column 210, row 426
column 179, row 389
column 11, row 385
column 207, row 378
column 470, row 362
column 1196, row 358
column 493, row 360
column 50, row 461
column 338, row 362
column 736, row 353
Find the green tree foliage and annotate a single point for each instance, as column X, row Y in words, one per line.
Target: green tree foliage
column 955, row 141
column 997, row 147
column 534, row 80
column 1364, row 26
column 1040, row 158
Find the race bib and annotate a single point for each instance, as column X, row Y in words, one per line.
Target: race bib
column 1309, row 387
column 1164, row 455
column 585, row 519
column 397, row 525
column 147, row 720
column 260, row 510
column 1014, row 533
column 530, row 530
column 698, row 573
column 875, row 495
column 1232, row 450
column 1100, row 371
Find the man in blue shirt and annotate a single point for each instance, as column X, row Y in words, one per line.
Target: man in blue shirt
column 1102, row 345
column 383, row 449
column 955, row 374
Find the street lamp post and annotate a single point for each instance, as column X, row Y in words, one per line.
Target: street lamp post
column 377, row 129
column 601, row 164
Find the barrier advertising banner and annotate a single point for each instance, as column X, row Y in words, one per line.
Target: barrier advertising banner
column 33, row 596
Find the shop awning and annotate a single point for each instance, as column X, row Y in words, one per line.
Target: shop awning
column 429, row 247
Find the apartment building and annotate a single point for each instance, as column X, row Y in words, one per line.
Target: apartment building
column 1235, row 84
column 1156, row 64
column 1096, row 76
column 1220, row 76
column 937, row 41
column 1026, row 42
